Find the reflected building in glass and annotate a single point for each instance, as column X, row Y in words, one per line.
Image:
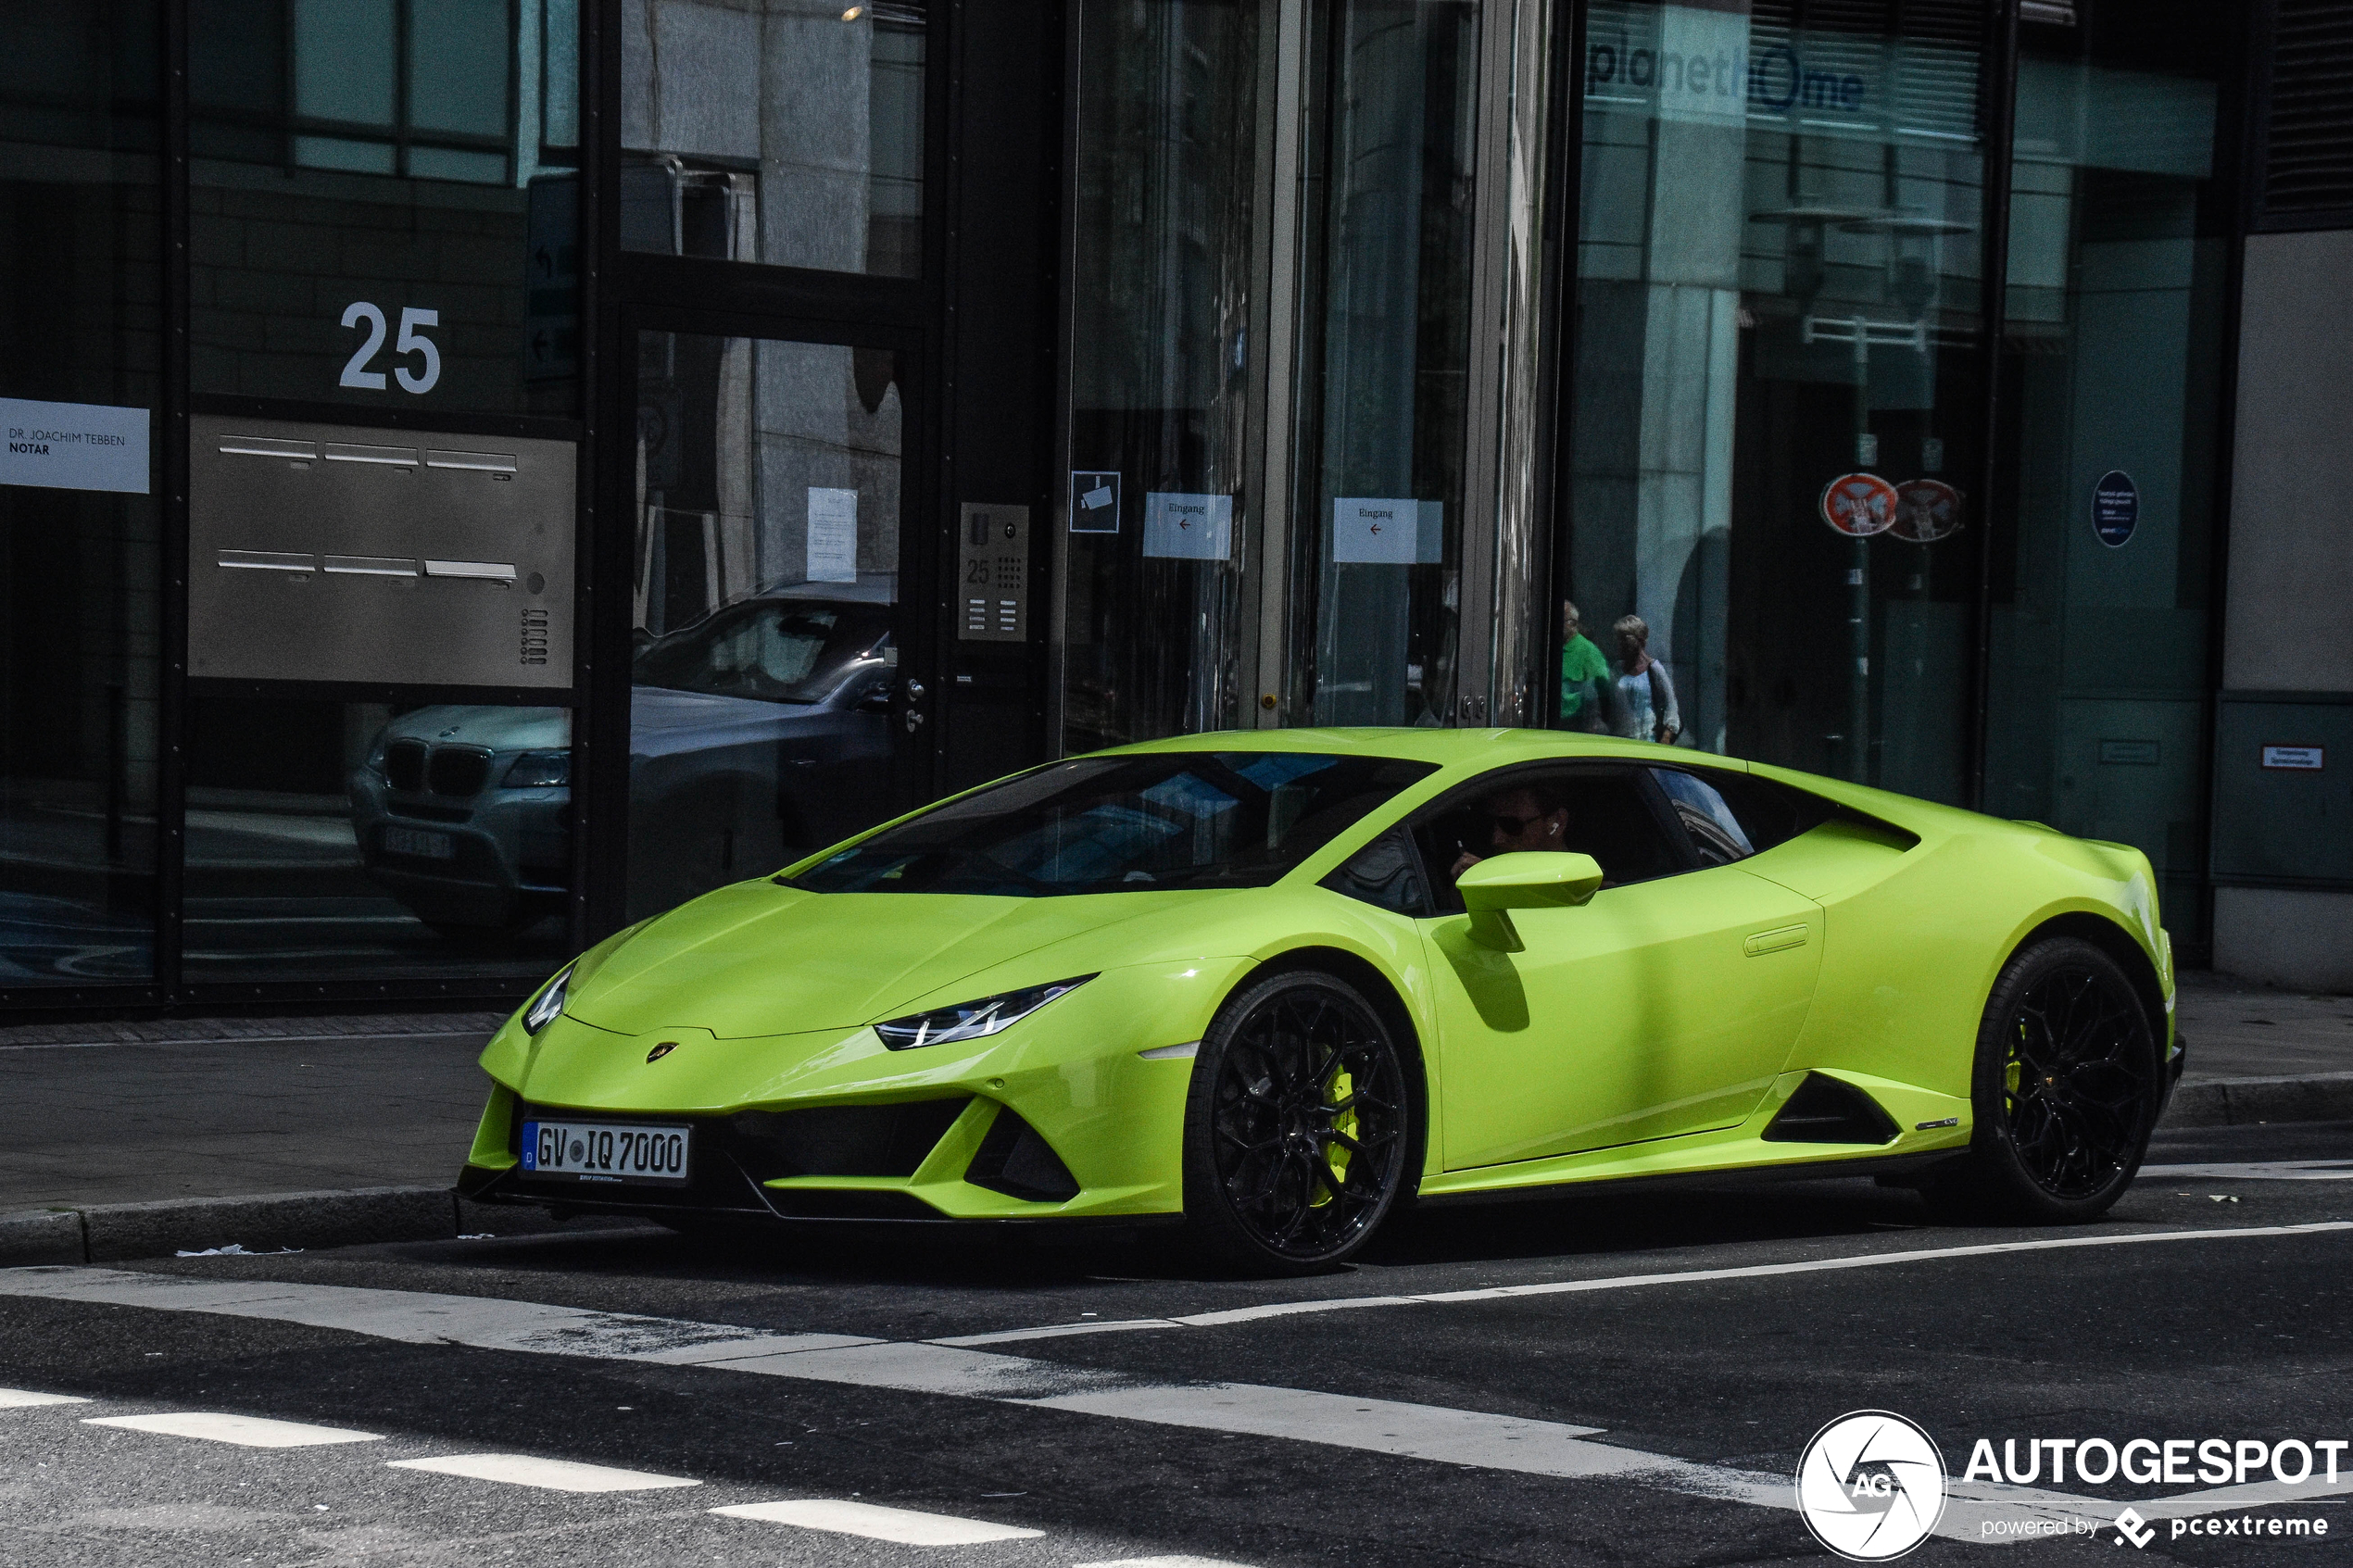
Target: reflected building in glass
column 481, row 472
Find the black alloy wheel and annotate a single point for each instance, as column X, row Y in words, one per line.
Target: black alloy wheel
column 2066, row 1093
column 1297, row 1125
column 2076, row 1086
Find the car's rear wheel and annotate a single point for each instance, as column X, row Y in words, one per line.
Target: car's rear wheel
column 2065, row 1091
column 1297, row 1126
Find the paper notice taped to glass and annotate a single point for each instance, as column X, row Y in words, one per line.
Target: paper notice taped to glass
column 1373, row 530
column 832, row 535
column 73, row 446
column 1188, row 527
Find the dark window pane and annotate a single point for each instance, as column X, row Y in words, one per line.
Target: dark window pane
column 1769, row 813
column 328, row 839
column 80, row 247
column 1125, row 825
column 343, row 52
column 458, row 60
column 1714, row 831
column 1778, row 288
column 761, row 719
column 776, row 131
column 383, row 213
column 1386, row 872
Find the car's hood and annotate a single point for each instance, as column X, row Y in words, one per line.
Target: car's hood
column 657, row 714
column 759, row 959
column 499, row 728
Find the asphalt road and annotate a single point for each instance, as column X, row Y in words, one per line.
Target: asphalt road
column 1615, row 1379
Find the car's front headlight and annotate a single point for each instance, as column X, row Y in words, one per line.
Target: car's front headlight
column 538, row 769
column 972, row 1021
column 542, row 1012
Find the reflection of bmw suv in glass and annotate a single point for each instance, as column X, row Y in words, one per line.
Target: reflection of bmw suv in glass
column 756, row 731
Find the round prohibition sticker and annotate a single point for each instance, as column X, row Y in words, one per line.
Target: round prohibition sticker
column 1871, row 1486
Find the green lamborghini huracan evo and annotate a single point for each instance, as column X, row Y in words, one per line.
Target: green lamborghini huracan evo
column 1278, row 982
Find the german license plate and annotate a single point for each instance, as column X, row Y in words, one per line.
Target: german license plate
column 420, row 842
column 596, row 1151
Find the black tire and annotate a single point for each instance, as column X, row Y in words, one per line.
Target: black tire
column 2065, row 1091
column 1297, row 1126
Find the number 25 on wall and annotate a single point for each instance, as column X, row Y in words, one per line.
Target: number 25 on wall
column 411, row 341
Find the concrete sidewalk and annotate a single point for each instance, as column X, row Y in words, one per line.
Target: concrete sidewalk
column 309, row 1130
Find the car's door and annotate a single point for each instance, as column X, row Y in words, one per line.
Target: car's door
column 1665, row 1005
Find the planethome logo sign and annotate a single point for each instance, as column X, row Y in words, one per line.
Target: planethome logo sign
column 1871, row 1486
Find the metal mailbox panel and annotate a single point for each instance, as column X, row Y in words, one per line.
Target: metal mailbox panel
column 333, row 553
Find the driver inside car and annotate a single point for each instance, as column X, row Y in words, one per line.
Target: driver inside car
column 1519, row 818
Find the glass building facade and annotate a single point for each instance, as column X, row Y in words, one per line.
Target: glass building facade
column 482, row 472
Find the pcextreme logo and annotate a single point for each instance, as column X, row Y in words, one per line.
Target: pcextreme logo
column 1871, row 1486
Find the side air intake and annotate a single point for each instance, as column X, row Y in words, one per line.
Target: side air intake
column 1015, row 1161
column 1827, row 1110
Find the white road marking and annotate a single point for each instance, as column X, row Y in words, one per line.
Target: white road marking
column 876, row 1523
column 245, row 1431
column 1627, row 1282
column 1469, row 1438
column 1162, row 1562
column 2260, row 1171
column 25, row 1398
column 551, row 1474
column 1432, row 1431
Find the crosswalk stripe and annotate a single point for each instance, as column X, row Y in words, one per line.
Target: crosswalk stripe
column 245, row 1431
column 25, row 1398
column 905, row 1525
column 552, row 1474
column 1435, row 1433
column 1161, row 1563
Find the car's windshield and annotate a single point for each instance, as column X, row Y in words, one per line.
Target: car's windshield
column 1125, row 825
column 773, row 650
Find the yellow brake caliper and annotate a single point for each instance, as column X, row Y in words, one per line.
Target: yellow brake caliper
column 1335, row 1155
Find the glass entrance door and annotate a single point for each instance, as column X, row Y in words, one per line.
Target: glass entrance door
column 1281, row 426
column 773, row 709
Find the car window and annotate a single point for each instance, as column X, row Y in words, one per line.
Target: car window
column 1387, row 872
column 1124, row 824
column 771, row 650
column 1604, row 812
column 1769, row 813
column 1714, row 832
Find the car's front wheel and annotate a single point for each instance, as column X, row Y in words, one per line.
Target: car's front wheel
column 1296, row 1127
column 2065, row 1094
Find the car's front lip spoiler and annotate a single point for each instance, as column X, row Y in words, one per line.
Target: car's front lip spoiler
column 479, row 1184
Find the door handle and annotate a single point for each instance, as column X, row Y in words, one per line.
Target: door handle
column 1774, row 941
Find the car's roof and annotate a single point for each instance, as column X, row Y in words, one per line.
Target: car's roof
column 1450, row 749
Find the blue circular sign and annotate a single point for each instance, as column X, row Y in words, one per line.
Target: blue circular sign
column 2116, row 508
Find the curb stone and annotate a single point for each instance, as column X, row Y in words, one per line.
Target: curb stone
column 115, row 1231
column 44, row 1235
column 119, row 1232
column 2237, row 1102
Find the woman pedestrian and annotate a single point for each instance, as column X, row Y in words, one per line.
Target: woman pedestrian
column 1645, row 703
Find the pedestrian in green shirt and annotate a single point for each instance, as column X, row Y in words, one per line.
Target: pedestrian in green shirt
column 1581, row 666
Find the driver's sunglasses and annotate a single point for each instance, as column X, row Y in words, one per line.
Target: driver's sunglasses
column 1513, row 825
